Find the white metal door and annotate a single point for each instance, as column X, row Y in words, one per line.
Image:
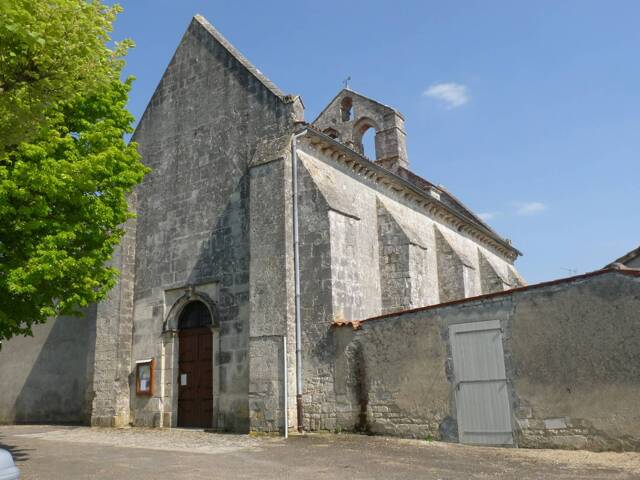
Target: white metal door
column 482, row 396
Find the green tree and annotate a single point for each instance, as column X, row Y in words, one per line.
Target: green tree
column 49, row 50
column 65, row 168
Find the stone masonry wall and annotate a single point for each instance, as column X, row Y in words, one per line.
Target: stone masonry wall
column 424, row 283
column 399, row 385
column 271, row 304
column 316, row 305
column 395, row 268
column 47, row 378
column 570, row 348
column 346, row 276
column 576, row 373
column 354, row 249
column 349, row 115
column 450, row 271
column 199, row 133
column 422, row 268
column 491, row 279
column 109, row 392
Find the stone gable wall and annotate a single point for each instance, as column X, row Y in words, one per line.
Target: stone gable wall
column 199, row 134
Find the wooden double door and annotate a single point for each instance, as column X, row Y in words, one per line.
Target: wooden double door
column 195, row 378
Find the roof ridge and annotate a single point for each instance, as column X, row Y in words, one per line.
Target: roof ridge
column 235, row 53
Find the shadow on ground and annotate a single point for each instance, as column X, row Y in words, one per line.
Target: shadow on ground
column 19, row 454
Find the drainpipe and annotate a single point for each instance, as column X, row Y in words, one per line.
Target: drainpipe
column 296, row 269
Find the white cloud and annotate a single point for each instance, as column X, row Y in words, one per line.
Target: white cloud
column 530, row 208
column 453, row 95
column 488, row 215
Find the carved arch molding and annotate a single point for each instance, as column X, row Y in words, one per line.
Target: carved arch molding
column 171, row 321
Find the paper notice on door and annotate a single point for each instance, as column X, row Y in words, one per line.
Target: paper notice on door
column 183, row 379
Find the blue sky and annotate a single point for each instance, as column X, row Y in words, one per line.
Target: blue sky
column 529, row 112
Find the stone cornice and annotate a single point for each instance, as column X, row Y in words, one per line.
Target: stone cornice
column 371, row 172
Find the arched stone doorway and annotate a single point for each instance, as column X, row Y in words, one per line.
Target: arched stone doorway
column 195, row 366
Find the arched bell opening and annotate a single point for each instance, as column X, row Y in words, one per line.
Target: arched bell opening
column 365, row 138
column 346, row 109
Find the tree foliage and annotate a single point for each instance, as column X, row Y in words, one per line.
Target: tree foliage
column 65, row 168
column 49, row 50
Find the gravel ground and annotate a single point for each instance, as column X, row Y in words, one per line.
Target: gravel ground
column 52, row 453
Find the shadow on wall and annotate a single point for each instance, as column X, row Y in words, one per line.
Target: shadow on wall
column 223, row 257
column 56, row 387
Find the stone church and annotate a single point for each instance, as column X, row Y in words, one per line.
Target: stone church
column 252, row 222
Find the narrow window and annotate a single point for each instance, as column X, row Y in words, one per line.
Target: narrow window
column 346, row 109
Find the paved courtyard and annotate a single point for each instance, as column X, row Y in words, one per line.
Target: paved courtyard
column 52, row 453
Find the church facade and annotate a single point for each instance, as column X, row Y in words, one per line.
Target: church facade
column 201, row 328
